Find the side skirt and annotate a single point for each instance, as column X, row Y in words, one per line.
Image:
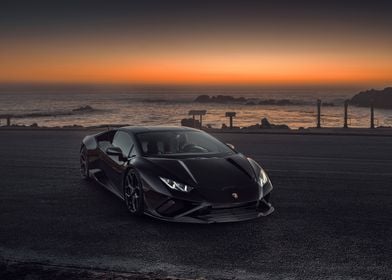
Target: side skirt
column 101, row 179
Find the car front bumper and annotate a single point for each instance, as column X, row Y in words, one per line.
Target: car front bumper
column 211, row 213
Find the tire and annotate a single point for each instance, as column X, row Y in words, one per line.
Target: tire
column 133, row 193
column 84, row 164
column 267, row 197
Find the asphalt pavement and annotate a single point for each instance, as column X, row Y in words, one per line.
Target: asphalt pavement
column 332, row 219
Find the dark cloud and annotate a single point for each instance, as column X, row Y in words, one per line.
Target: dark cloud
column 44, row 15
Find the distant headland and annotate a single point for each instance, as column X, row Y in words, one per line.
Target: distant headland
column 381, row 98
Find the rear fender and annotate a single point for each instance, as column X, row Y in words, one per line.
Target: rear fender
column 91, row 144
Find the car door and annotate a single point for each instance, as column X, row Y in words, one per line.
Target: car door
column 115, row 165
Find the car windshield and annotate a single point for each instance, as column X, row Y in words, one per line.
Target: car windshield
column 180, row 142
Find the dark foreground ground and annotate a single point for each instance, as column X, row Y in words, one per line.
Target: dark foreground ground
column 333, row 218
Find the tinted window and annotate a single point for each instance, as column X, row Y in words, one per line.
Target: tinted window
column 124, row 141
column 180, row 143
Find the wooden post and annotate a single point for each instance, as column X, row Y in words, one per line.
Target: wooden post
column 230, row 115
column 318, row 113
column 8, row 121
column 371, row 114
column 200, row 121
column 345, row 114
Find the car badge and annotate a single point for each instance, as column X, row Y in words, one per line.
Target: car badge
column 234, row 195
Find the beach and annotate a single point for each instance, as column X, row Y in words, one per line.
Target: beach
column 332, row 218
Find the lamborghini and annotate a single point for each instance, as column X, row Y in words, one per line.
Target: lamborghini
column 177, row 174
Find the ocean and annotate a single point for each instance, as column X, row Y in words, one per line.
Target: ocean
column 164, row 106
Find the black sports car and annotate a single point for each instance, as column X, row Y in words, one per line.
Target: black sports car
column 177, row 174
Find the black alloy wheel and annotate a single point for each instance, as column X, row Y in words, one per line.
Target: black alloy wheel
column 133, row 193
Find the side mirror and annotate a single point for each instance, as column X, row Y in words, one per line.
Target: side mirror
column 115, row 151
column 231, row 146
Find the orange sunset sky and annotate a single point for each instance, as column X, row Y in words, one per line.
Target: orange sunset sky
column 196, row 44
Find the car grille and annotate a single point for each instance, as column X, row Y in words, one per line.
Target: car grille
column 224, row 212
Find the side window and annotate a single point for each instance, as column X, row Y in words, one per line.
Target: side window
column 124, row 141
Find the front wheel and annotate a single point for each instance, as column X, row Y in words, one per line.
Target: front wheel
column 133, row 193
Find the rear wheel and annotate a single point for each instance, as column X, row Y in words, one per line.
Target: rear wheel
column 84, row 166
column 133, row 193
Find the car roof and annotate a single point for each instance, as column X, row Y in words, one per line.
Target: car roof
column 141, row 129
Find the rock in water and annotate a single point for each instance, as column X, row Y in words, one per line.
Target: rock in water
column 381, row 98
column 265, row 123
column 223, row 99
column 86, row 108
column 203, row 99
column 189, row 123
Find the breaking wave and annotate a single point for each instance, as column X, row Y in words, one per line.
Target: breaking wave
column 57, row 113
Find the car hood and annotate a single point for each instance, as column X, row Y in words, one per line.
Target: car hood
column 219, row 180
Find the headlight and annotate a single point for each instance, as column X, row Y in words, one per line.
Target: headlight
column 263, row 178
column 175, row 185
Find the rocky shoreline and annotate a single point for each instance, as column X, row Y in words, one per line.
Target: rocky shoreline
column 228, row 99
column 381, row 99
